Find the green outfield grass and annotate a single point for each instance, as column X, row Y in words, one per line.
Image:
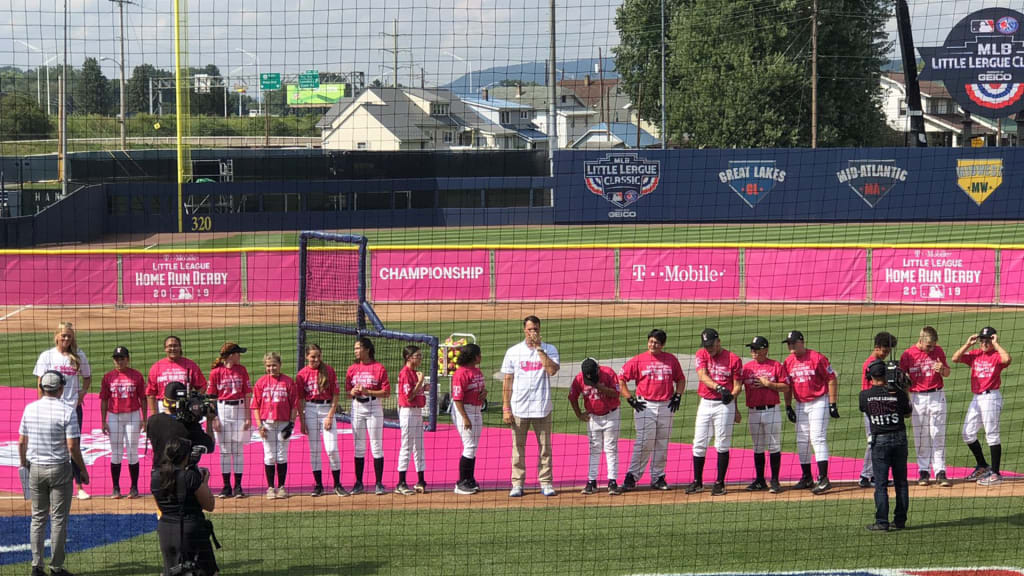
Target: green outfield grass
column 845, row 339
column 820, row 534
column 924, row 233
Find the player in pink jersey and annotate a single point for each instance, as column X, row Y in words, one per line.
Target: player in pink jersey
column 366, row 383
column 814, row 385
column 925, row 364
column 599, row 387
column 275, row 403
column 318, row 404
column 123, row 414
column 229, row 383
column 411, row 400
column 763, row 379
column 987, row 363
column 174, row 368
column 469, row 390
column 719, row 373
column 659, row 391
column 884, row 343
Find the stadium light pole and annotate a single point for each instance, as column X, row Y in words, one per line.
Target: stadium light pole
column 469, row 67
column 552, row 93
column 120, row 64
column 259, row 87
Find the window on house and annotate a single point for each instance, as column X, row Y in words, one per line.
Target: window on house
column 447, row 137
column 524, row 115
column 505, row 117
column 438, row 109
column 481, row 141
column 361, row 146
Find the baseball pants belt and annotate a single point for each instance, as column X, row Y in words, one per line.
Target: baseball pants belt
column 318, row 401
column 763, row 408
column 364, row 400
column 926, row 391
column 231, row 402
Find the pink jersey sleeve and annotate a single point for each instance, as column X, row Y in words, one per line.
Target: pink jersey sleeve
column 737, row 368
column 576, row 388
column 152, row 388
column 105, row 386
column 703, row 358
column 629, row 371
column 385, row 385
column 459, row 384
column 824, row 369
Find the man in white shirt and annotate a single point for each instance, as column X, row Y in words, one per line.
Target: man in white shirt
column 526, row 394
column 47, row 444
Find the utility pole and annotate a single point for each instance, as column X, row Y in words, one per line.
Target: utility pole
column 814, row 74
column 394, row 53
column 124, row 120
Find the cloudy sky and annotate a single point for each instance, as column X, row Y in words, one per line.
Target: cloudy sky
column 347, row 35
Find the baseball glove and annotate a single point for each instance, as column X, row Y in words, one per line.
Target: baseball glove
column 673, row 404
column 637, row 404
column 833, row 410
column 791, row 414
column 286, row 432
column 725, row 394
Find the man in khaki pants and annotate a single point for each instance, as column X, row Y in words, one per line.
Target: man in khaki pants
column 526, row 392
column 47, row 443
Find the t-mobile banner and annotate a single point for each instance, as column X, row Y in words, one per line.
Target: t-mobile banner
column 414, row 275
column 806, row 274
column 41, row 280
column 555, row 274
column 273, row 276
column 182, row 278
column 935, row 275
column 679, row 274
column 1011, row 277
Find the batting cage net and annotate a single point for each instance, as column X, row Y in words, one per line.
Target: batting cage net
column 690, row 283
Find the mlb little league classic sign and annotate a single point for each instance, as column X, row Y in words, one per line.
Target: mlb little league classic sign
column 981, row 62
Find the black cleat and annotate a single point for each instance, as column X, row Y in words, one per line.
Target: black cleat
column 823, row 486
column 718, row 489
column 628, row 483
column 590, row 488
column 660, row 484
column 695, row 488
column 613, row 488
column 757, row 486
column 805, row 483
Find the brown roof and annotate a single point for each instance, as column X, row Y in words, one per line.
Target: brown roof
column 933, row 89
column 590, row 91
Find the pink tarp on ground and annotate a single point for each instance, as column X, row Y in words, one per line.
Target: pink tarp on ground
column 934, row 275
column 182, row 278
column 411, row 275
column 273, row 276
column 442, row 454
column 555, row 274
column 42, row 280
column 679, row 274
column 833, row 275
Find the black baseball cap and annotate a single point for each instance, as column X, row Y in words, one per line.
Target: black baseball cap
column 175, row 391
column 120, row 352
column 758, row 343
column 986, row 333
column 708, row 337
column 793, row 336
column 590, row 370
column 876, row 369
column 234, row 348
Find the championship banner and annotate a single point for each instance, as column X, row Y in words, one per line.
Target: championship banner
column 561, row 275
column 415, row 275
column 933, row 276
column 182, row 278
column 44, row 280
column 679, row 274
column 806, row 274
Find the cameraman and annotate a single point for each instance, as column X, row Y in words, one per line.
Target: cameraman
column 181, row 422
column 886, row 405
column 182, row 493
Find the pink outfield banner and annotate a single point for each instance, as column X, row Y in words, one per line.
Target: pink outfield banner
column 679, row 274
column 554, row 274
column 933, row 275
column 415, row 275
column 806, row 274
column 182, row 278
column 1011, row 277
column 43, row 280
column 272, row 276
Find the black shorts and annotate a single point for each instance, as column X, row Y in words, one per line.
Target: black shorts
column 197, row 543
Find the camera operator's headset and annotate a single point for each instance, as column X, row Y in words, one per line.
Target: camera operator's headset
column 63, row 380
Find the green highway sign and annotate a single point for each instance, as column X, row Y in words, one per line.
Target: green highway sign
column 309, row 80
column 270, row 81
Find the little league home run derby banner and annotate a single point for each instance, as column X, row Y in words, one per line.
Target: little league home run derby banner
column 960, row 276
column 183, row 278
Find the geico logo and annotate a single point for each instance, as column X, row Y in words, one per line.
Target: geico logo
column 621, row 214
column 994, row 77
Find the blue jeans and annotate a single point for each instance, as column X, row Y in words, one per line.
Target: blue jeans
column 889, row 451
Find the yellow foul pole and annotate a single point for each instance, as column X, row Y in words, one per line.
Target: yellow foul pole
column 178, row 84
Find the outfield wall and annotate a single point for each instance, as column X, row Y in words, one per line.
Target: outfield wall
column 626, row 273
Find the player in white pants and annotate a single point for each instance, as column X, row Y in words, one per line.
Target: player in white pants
column 814, row 385
column 987, row 364
column 123, row 412
column 275, row 406
column 366, row 383
column 229, row 383
column 719, row 372
column 884, row 343
column 599, row 387
column 469, row 390
column 659, row 391
column 925, row 365
column 411, row 401
column 763, row 379
column 318, row 395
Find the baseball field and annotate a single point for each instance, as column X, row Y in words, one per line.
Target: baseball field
column 643, row 532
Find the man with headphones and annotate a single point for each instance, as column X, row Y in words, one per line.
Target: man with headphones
column 48, row 438
column 162, row 427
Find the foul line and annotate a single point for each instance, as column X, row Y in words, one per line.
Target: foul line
column 19, row 310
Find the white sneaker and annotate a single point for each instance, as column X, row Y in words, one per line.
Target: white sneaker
column 281, row 493
column 82, row 494
column 271, row 493
column 990, row 479
column 516, row 492
column 547, row 490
